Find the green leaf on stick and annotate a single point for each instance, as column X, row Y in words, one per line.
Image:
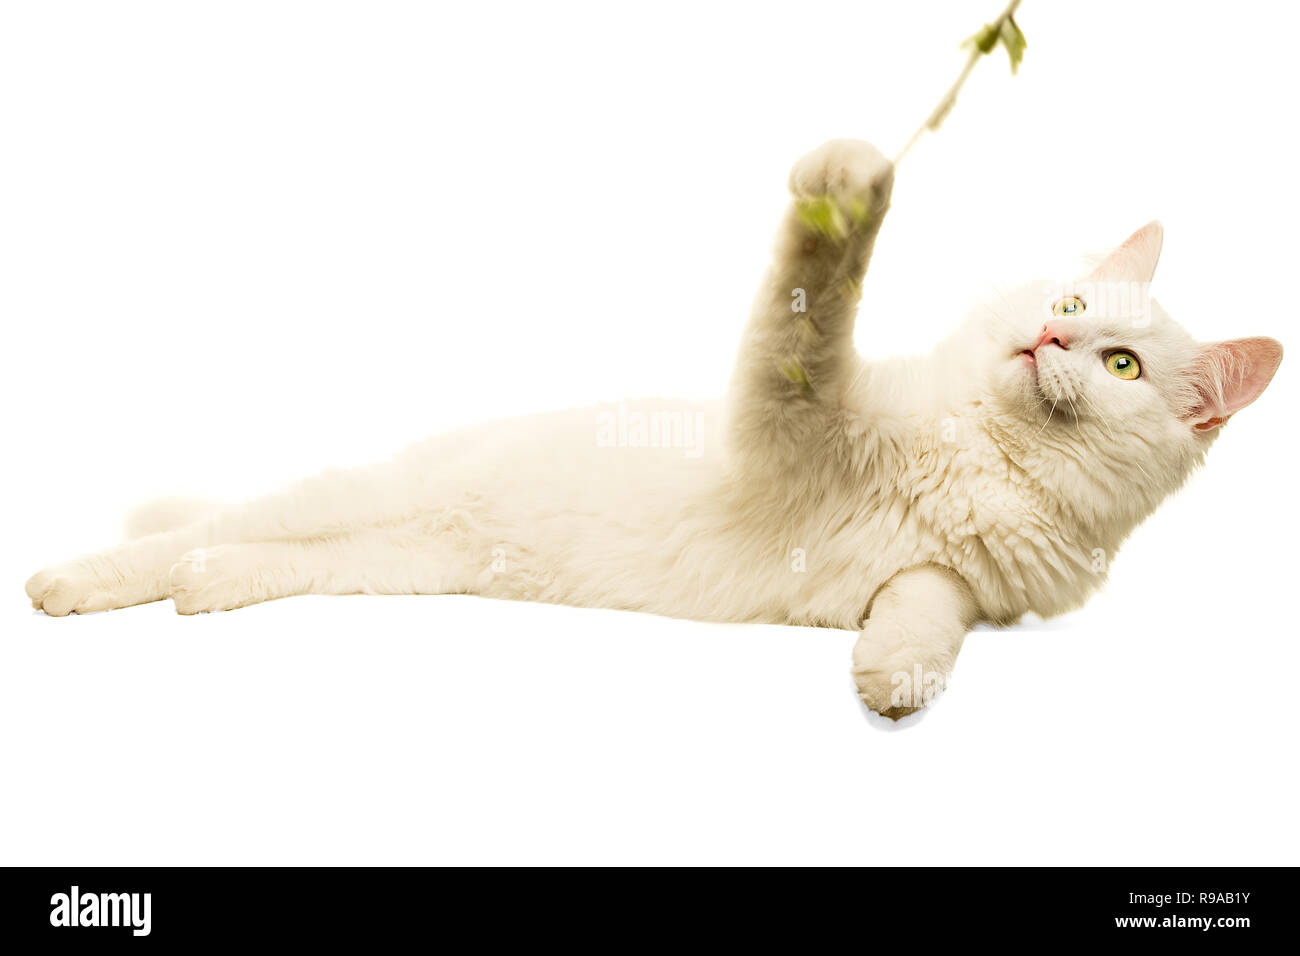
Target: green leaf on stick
column 1014, row 41
column 1007, row 32
column 985, row 40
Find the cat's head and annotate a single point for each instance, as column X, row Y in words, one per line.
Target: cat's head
column 1096, row 372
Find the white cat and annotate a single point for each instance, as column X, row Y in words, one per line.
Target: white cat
column 908, row 498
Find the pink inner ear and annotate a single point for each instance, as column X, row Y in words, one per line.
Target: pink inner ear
column 1229, row 376
column 1135, row 260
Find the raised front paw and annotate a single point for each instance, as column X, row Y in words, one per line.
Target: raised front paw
column 851, row 171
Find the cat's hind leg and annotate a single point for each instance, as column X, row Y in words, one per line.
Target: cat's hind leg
column 333, row 503
column 368, row 561
column 129, row 574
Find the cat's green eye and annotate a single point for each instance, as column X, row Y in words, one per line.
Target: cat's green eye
column 1123, row 365
column 1070, row 305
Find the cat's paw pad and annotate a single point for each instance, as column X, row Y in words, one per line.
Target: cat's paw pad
column 63, row 588
column 844, row 169
column 207, row 579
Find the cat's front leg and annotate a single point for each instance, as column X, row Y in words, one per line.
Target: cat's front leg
column 909, row 643
column 797, row 353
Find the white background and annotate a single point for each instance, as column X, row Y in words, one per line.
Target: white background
column 240, row 242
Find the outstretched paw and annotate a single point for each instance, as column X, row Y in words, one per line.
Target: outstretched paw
column 850, row 171
column 204, row 580
column 63, row 588
column 222, row 578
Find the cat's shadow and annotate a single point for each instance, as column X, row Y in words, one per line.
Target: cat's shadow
column 1031, row 624
column 888, row 724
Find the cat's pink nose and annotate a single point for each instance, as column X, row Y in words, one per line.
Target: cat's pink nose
column 1052, row 335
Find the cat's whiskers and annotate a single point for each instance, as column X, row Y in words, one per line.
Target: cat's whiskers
column 1050, row 413
column 1083, row 396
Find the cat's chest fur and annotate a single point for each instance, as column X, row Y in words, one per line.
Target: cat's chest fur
column 948, row 493
column 1009, row 527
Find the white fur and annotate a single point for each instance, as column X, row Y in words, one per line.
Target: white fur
column 931, row 492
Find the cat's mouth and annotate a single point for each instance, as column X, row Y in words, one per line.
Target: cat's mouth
column 1044, row 381
column 1029, row 360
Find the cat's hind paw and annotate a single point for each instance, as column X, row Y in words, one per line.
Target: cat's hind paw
column 62, row 589
column 227, row 576
column 205, row 580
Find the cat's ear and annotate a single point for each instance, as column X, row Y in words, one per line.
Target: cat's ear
column 1135, row 260
column 1228, row 376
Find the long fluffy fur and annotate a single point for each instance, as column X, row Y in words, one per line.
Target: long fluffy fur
column 908, row 498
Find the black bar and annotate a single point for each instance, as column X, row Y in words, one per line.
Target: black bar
column 877, row 906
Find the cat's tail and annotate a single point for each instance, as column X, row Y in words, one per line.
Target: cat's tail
column 165, row 514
